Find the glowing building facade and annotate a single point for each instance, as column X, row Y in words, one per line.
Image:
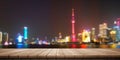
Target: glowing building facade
column 93, row 34
column 117, row 29
column 60, row 36
column 103, row 30
column 0, row 37
column 25, row 33
column 5, row 35
column 67, row 39
column 5, row 38
column 86, row 36
column 73, row 27
column 19, row 38
column 79, row 37
column 113, row 35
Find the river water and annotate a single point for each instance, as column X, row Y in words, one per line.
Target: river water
column 114, row 45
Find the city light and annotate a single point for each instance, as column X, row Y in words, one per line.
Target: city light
column 85, row 36
column 10, row 43
column 105, row 34
column 92, row 33
column 73, row 27
column 20, row 38
column 73, row 46
column 0, row 37
column 60, row 36
column 5, row 36
column 25, row 33
column 117, row 29
column 67, row 39
column 6, row 43
column 113, row 32
column 103, row 30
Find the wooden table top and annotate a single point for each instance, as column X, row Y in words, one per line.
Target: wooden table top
column 59, row 53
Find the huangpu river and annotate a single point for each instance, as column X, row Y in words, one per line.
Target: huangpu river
column 63, row 45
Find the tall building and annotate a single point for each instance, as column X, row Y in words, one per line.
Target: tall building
column 118, row 22
column 60, row 35
column 25, row 33
column 73, row 27
column 85, row 36
column 19, row 38
column 103, row 30
column 113, row 35
column 79, row 37
column 92, row 34
column 5, row 38
column 0, row 37
column 117, row 29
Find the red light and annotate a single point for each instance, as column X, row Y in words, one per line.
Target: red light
column 83, row 46
column 74, row 46
column 73, row 38
column 73, row 27
column 73, row 21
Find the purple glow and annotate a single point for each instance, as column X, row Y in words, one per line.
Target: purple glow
column 20, row 38
column 6, row 43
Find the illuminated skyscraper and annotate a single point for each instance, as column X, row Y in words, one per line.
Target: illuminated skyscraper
column 117, row 28
column 118, row 22
column 0, row 37
column 60, row 36
column 25, row 33
column 93, row 34
column 86, row 36
column 103, row 30
column 79, row 37
column 113, row 35
column 5, row 35
column 73, row 27
column 19, row 38
column 5, row 38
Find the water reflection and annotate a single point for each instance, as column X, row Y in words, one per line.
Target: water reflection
column 118, row 46
column 20, row 45
column 84, row 46
column 104, row 46
column 73, row 46
column 0, row 45
column 90, row 45
column 113, row 46
column 94, row 46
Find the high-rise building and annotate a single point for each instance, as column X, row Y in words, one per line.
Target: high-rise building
column 86, row 36
column 113, row 35
column 73, row 27
column 5, row 38
column 79, row 37
column 117, row 28
column 60, row 36
column 19, row 38
column 92, row 34
column 103, row 30
column 0, row 37
column 25, row 33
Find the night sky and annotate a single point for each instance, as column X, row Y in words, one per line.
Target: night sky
column 49, row 17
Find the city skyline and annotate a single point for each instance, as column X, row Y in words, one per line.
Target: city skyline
column 49, row 17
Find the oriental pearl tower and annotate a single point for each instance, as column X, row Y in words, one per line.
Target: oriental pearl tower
column 73, row 27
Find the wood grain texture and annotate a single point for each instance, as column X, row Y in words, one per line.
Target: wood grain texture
column 59, row 53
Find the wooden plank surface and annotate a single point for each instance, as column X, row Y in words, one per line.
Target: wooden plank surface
column 44, row 54
column 59, row 53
